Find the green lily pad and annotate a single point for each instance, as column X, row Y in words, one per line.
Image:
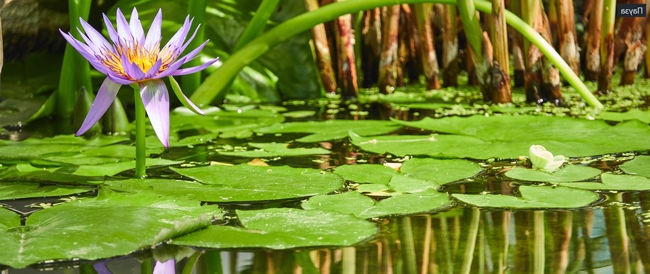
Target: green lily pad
column 402, row 204
column 643, row 116
column 331, row 129
column 283, row 228
column 640, row 165
column 350, row 202
column 79, row 229
column 533, row 197
column 411, row 184
column 615, row 182
column 112, row 169
column 275, row 150
column 440, row 171
column 366, row 173
column 441, row 146
column 570, row 173
column 487, row 137
column 21, row 190
column 224, row 121
column 253, row 183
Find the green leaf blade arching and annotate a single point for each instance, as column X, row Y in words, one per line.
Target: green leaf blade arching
column 283, row 228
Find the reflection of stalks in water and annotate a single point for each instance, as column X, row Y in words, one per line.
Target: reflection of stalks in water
column 641, row 231
column 560, row 225
column 469, row 244
column 617, row 238
column 498, row 227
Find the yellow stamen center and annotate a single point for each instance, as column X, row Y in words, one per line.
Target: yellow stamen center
column 142, row 57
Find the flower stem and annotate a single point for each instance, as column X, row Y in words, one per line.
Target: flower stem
column 140, row 135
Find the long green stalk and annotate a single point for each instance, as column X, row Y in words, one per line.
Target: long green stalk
column 140, row 135
column 75, row 70
column 256, row 26
column 218, row 80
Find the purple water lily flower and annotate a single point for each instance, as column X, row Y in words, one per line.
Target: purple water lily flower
column 131, row 57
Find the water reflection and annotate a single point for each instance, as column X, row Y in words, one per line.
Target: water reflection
column 612, row 239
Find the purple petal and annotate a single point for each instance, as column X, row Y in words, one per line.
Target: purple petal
column 123, row 29
column 191, row 70
column 136, row 28
column 190, row 55
column 132, row 70
column 173, row 67
column 119, row 78
column 154, row 69
column 101, row 268
column 187, row 43
column 156, row 102
column 167, row 267
column 111, row 30
column 96, row 37
column 103, row 101
column 177, row 40
column 153, row 35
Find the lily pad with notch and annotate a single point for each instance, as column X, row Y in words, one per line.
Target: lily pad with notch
column 570, row 173
column 532, row 197
column 283, row 228
column 331, row 129
column 78, row 229
column 617, row 182
column 241, row 183
column 275, row 150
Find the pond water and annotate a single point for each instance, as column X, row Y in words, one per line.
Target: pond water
column 288, row 191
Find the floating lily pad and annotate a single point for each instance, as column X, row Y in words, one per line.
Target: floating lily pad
column 80, row 229
column 570, row 173
column 411, row 184
column 643, row 116
column 640, row 165
column 253, row 183
column 614, row 182
column 224, row 121
column 487, row 137
column 283, row 228
column 533, row 197
column 275, row 150
column 441, row 146
column 111, row 169
column 21, row 190
column 366, row 173
column 403, row 204
column 440, row 171
column 331, row 129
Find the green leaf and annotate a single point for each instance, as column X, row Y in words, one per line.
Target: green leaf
column 275, row 150
column 533, row 197
column 643, row 116
column 410, row 203
column 360, row 205
column 80, row 229
column 224, row 121
column 351, row 202
column 111, row 169
column 331, row 129
column 615, row 182
column 283, row 228
column 366, row 173
column 570, row 173
column 440, row 171
column 487, row 137
column 253, row 183
column 21, row 190
column 640, row 165
column 410, row 184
